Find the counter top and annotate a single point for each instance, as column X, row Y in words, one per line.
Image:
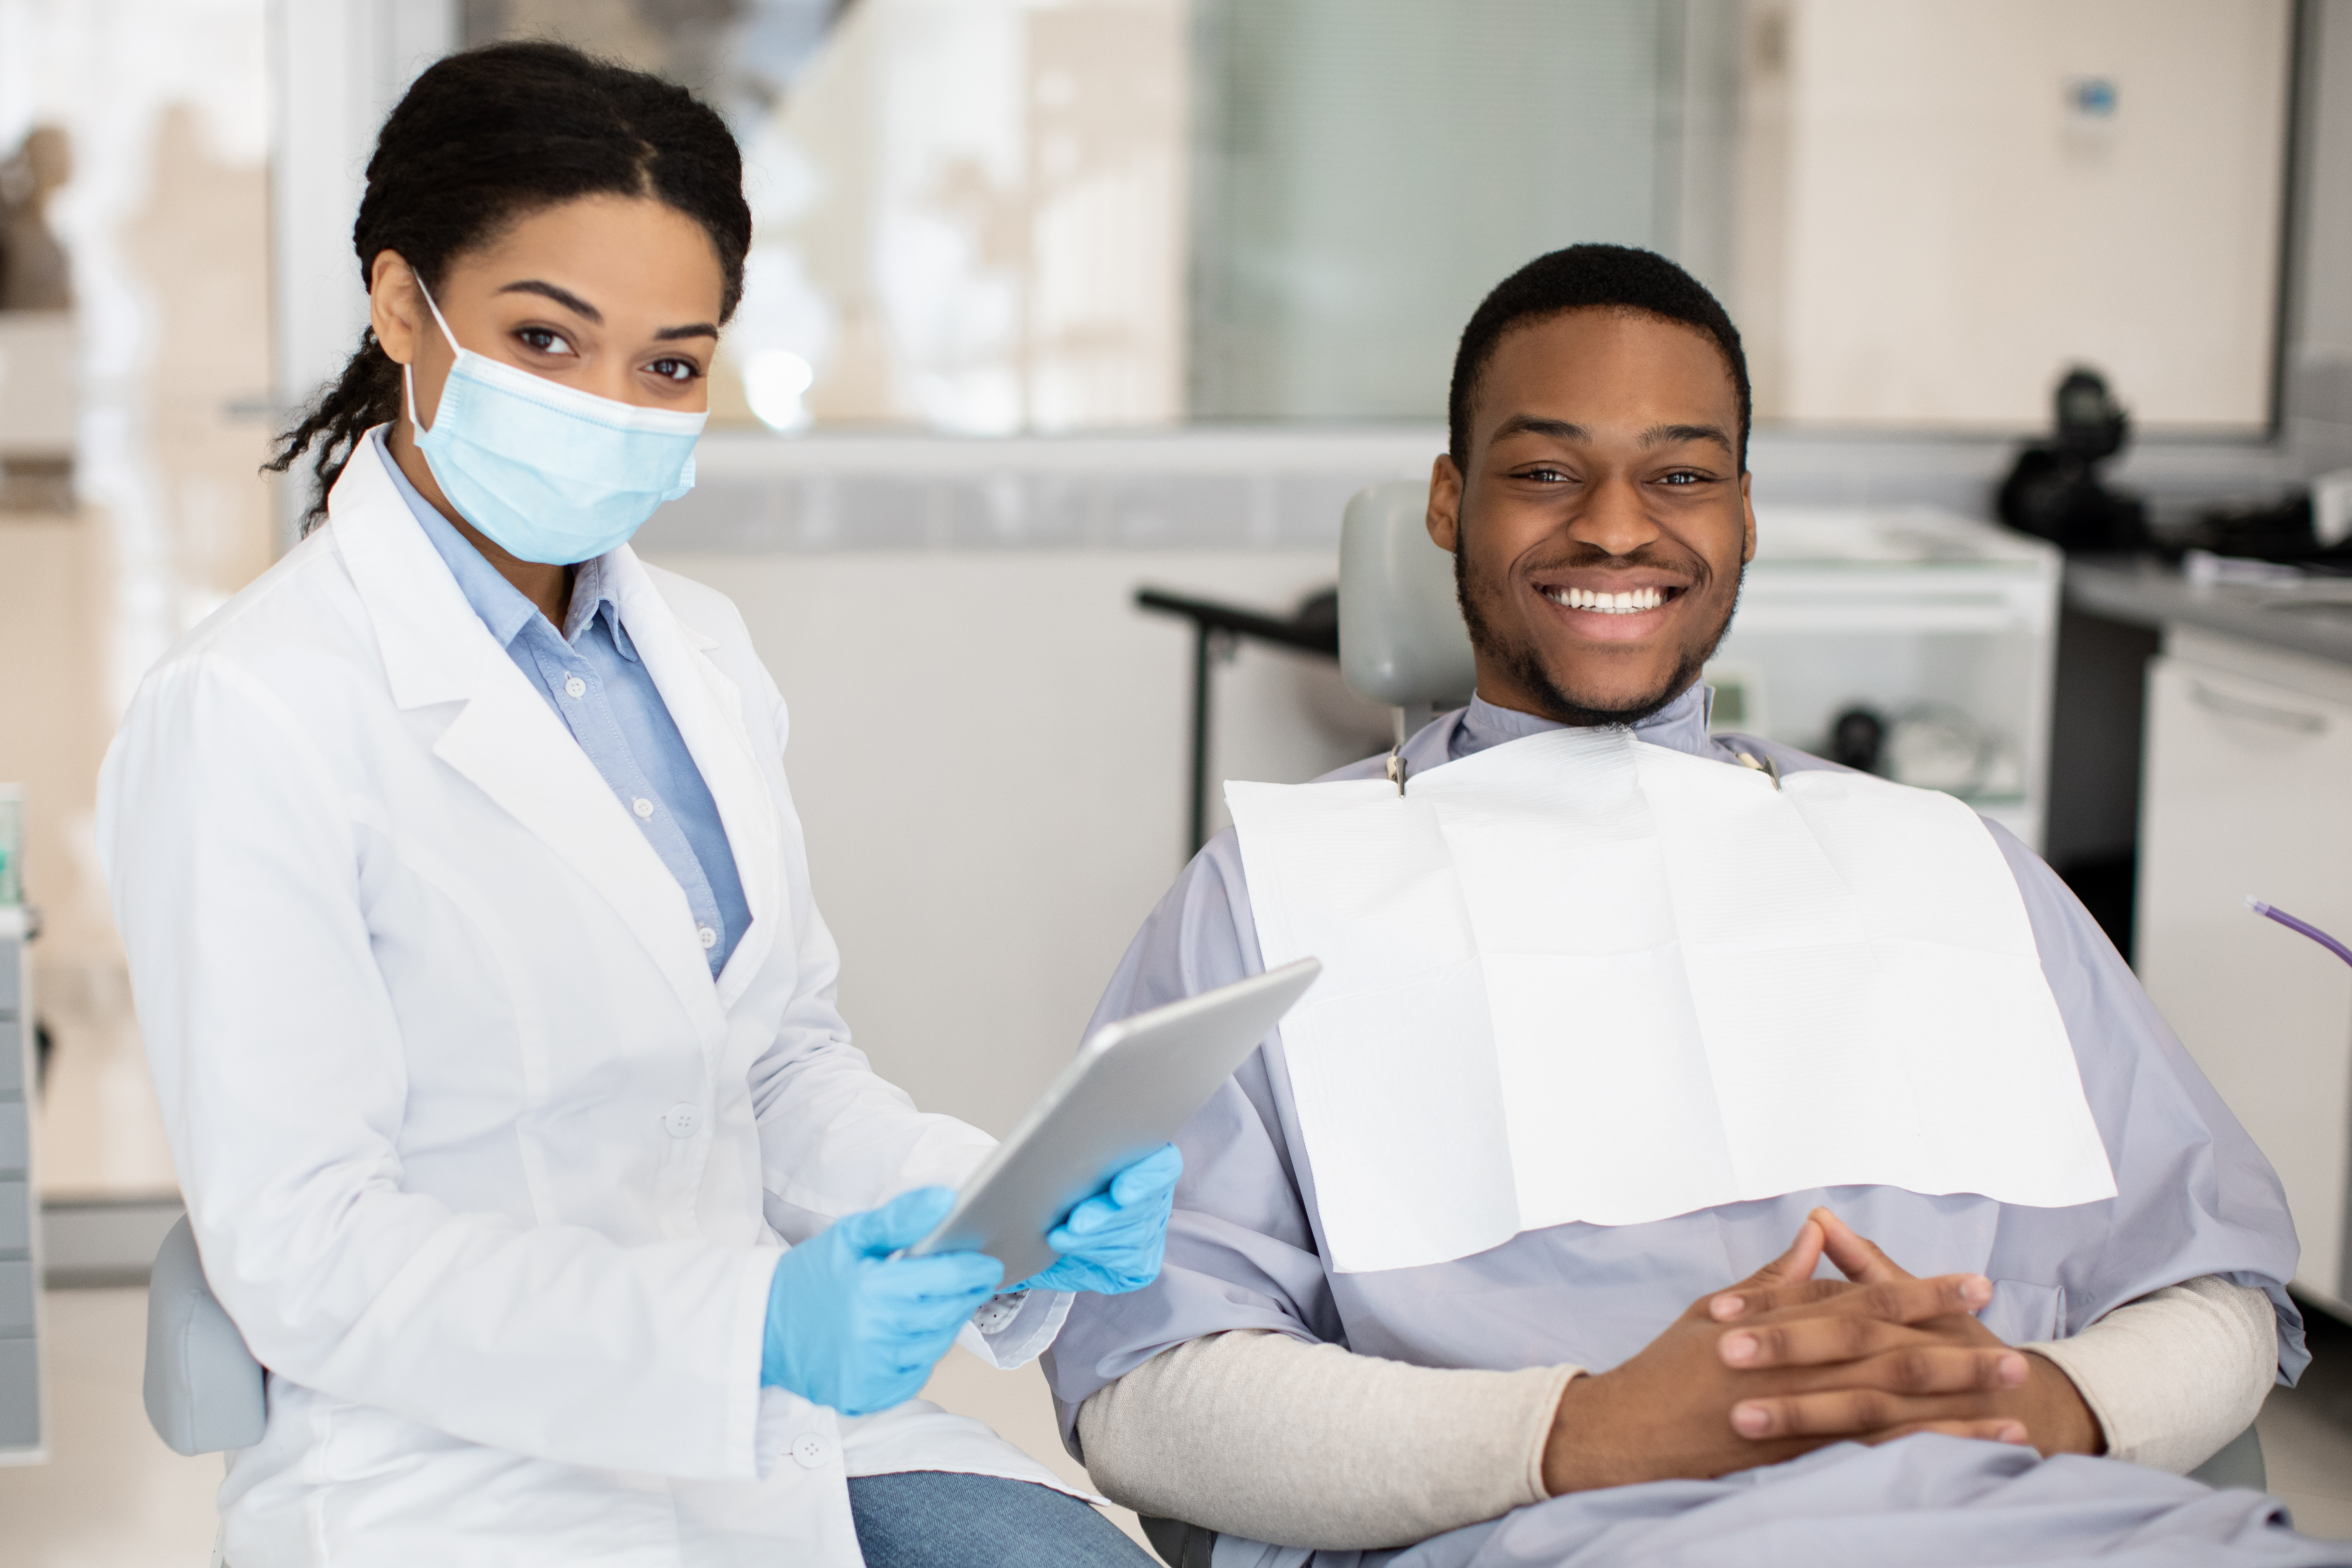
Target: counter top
column 2313, row 616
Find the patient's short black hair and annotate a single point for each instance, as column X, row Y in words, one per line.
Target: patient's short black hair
column 1590, row 277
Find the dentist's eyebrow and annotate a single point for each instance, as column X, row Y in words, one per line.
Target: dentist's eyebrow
column 1535, row 425
column 583, row 308
column 563, row 296
column 1675, row 434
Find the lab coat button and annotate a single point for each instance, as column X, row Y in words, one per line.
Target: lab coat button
column 642, row 806
column 710, row 938
column 575, row 687
column 811, row 1450
column 682, row 1120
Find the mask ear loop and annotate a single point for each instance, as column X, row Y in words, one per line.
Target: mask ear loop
column 408, row 372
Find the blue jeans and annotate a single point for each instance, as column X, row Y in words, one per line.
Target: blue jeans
column 939, row 1519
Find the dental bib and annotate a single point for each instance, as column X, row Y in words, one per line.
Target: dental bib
column 1578, row 977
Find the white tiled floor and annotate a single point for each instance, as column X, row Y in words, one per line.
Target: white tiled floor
column 113, row 1497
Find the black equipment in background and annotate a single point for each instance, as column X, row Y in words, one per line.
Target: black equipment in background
column 2054, row 492
column 1856, row 737
column 1313, row 628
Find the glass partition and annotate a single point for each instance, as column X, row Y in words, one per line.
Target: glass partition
column 993, row 216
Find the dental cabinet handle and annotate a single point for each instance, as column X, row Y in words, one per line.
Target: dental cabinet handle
column 2230, row 707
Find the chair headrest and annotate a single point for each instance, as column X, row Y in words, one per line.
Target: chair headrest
column 1402, row 640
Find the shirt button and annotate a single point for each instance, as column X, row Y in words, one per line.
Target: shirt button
column 642, row 806
column 710, row 938
column 575, row 687
column 682, row 1120
column 811, row 1451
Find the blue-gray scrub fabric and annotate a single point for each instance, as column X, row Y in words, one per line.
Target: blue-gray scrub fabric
column 2194, row 1197
column 618, row 717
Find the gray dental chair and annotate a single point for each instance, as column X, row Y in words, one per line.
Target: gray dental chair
column 1402, row 640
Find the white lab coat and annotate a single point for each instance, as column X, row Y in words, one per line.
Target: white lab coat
column 488, row 1171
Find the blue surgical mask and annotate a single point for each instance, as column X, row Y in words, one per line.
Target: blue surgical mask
column 551, row 473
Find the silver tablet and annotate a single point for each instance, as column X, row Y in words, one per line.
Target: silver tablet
column 1134, row 1085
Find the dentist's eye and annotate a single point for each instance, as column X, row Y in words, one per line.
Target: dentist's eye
column 679, row 370
column 544, row 340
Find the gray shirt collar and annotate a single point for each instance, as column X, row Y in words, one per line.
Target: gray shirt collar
column 1680, row 725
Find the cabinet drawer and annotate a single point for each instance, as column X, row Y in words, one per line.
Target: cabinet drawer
column 2246, row 790
column 20, row 1395
column 16, row 1299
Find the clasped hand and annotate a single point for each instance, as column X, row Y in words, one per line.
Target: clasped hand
column 854, row 1326
column 1783, row 1363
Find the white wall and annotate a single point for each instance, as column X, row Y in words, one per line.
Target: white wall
column 989, row 751
column 1931, row 238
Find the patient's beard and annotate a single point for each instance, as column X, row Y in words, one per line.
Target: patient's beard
column 1524, row 664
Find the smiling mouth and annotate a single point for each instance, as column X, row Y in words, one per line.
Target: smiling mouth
column 1630, row 601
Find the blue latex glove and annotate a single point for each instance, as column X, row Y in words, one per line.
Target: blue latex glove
column 852, row 1327
column 1112, row 1243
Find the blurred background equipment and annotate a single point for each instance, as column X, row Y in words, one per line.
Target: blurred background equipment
column 2055, row 491
column 1217, row 632
column 37, row 410
column 1855, row 737
column 22, row 1394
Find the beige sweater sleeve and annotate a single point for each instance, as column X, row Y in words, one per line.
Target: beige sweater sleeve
column 1268, row 1437
column 1272, row 1438
column 2176, row 1374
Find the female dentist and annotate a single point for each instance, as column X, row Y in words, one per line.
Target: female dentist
column 470, row 930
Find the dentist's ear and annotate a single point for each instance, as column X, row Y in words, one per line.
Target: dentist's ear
column 395, row 306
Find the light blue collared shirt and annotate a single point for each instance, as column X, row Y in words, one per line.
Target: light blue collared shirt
column 592, row 678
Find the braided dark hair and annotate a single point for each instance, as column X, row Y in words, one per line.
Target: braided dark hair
column 492, row 135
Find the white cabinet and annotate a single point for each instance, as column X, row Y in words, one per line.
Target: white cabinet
column 2247, row 780
column 1902, row 611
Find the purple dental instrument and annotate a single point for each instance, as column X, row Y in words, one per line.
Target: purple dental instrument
column 2307, row 928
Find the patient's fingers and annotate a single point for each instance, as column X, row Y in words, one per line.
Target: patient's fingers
column 1994, row 1430
column 1805, row 1255
column 1857, row 1256
column 1828, row 1338
column 1935, row 1386
column 1904, row 1301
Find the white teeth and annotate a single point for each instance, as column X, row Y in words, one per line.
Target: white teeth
column 1623, row 604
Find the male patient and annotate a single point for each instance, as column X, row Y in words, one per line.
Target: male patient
column 1672, row 1109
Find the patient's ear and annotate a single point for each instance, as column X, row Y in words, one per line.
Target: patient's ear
column 1444, row 519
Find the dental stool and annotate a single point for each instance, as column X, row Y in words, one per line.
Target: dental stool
column 203, row 1386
